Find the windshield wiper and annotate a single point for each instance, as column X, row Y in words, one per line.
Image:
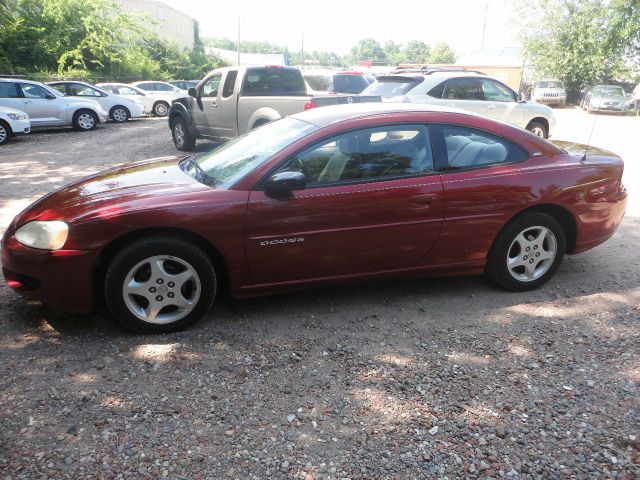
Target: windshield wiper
column 201, row 175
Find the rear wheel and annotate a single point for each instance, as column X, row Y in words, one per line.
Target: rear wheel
column 120, row 114
column 85, row 120
column 160, row 109
column 182, row 139
column 160, row 284
column 5, row 132
column 538, row 129
column 527, row 252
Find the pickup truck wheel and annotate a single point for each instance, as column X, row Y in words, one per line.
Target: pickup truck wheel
column 5, row 132
column 85, row 120
column 182, row 139
column 160, row 109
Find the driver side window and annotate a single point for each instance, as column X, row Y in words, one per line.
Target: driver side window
column 211, row 86
column 366, row 155
column 494, row 92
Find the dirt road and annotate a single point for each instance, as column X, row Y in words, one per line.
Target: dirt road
column 435, row 378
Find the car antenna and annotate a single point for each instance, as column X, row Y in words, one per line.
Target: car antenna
column 584, row 157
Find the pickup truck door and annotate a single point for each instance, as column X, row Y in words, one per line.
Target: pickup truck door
column 206, row 104
column 225, row 118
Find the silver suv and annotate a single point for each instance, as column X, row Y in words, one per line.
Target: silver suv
column 467, row 90
column 549, row 92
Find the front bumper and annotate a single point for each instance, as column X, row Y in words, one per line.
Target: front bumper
column 20, row 127
column 61, row 279
column 551, row 100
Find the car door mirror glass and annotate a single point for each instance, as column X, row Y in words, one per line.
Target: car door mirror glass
column 192, row 92
column 283, row 183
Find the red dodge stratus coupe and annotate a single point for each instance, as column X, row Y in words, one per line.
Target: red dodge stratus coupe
column 331, row 194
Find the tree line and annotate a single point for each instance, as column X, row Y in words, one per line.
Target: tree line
column 366, row 51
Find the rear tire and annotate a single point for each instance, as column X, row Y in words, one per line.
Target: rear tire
column 160, row 284
column 160, row 109
column 182, row 139
column 527, row 252
column 5, row 132
column 85, row 120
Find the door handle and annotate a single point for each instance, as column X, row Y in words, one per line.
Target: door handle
column 214, row 105
column 424, row 201
column 28, row 102
column 491, row 107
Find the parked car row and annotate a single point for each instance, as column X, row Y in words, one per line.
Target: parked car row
column 607, row 98
column 26, row 104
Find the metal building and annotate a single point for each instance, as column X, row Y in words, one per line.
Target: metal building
column 169, row 23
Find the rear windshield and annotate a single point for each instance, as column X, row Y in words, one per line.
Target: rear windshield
column 389, row 87
column 547, row 84
column 273, row 81
column 349, row 83
column 319, row 82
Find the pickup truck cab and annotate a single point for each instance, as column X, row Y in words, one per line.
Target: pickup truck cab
column 233, row 100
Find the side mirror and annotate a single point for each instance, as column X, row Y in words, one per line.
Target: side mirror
column 283, row 183
column 522, row 97
column 50, row 96
column 192, row 92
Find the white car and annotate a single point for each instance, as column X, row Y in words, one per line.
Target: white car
column 120, row 108
column 47, row 107
column 155, row 102
column 161, row 87
column 12, row 123
column 466, row 90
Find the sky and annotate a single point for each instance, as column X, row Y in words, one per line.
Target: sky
column 334, row 25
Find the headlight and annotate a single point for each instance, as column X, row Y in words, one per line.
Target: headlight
column 45, row 235
column 18, row 116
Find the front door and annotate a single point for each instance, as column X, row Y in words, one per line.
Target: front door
column 42, row 109
column 502, row 103
column 205, row 105
column 373, row 202
column 465, row 93
column 225, row 120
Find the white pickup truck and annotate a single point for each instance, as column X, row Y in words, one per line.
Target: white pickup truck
column 231, row 101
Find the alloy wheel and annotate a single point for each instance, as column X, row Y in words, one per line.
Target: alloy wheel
column 532, row 253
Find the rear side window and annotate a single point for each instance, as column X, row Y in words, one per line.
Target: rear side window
column 437, row 91
column 349, row 84
column 8, row 90
column 161, row 87
column 274, row 81
column 470, row 148
column 113, row 89
column 147, row 86
column 463, row 89
column 389, row 87
column 318, row 82
column 229, row 83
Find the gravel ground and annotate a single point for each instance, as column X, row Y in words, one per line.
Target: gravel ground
column 436, row 378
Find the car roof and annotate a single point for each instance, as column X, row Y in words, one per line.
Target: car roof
column 21, row 80
column 325, row 116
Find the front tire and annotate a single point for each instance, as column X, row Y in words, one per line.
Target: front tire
column 85, row 120
column 160, row 109
column 120, row 114
column 5, row 132
column 538, row 129
column 160, row 284
column 182, row 139
column 527, row 252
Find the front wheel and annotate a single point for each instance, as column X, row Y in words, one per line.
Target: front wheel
column 182, row 139
column 120, row 114
column 159, row 285
column 85, row 120
column 5, row 132
column 538, row 129
column 527, row 252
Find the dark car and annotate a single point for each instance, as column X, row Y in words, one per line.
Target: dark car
column 332, row 194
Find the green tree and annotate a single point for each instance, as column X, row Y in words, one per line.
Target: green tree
column 583, row 41
column 442, row 53
column 368, row 49
column 392, row 51
column 416, row 51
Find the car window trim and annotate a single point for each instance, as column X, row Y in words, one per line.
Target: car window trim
column 259, row 185
column 437, row 128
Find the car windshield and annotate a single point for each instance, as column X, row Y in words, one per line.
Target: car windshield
column 608, row 92
column 548, row 84
column 389, row 87
column 228, row 163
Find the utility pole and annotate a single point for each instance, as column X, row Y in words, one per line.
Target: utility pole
column 238, row 44
column 302, row 49
column 484, row 25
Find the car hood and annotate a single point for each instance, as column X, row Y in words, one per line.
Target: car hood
column 118, row 191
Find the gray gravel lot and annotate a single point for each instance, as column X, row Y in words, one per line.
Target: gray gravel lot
column 433, row 378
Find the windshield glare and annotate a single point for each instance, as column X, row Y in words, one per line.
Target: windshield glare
column 230, row 162
column 391, row 87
